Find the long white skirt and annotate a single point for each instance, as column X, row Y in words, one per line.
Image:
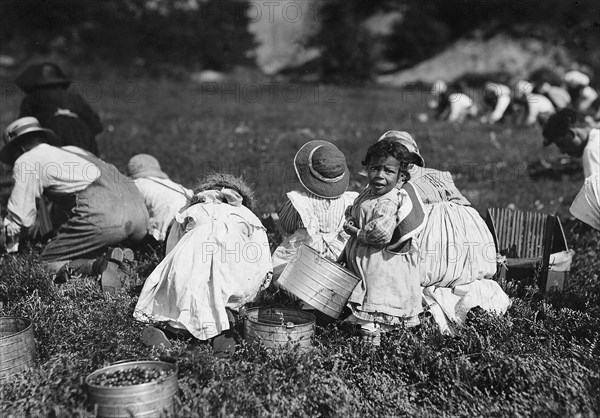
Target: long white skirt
column 221, row 262
column 457, row 262
column 456, row 246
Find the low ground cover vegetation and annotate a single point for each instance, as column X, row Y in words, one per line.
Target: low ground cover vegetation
column 542, row 358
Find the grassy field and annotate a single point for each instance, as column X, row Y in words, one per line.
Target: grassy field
column 541, row 359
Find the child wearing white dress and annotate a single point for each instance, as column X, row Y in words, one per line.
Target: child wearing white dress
column 162, row 196
column 452, row 103
column 315, row 216
column 218, row 260
column 382, row 222
column 586, row 206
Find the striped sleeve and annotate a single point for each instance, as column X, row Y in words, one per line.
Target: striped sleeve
column 289, row 218
column 379, row 229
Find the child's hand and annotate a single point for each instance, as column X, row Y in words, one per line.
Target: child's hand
column 350, row 227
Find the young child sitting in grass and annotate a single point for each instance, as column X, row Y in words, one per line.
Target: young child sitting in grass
column 218, row 261
column 315, row 215
column 381, row 224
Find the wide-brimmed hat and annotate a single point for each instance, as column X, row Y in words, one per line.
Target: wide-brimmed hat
column 41, row 75
column 407, row 140
column 17, row 130
column 144, row 165
column 322, row 170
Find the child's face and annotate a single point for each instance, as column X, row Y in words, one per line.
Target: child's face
column 383, row 174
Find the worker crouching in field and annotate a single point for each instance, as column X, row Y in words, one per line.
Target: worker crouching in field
column 538, row 108
column 57, row 108
column 101, row 207
column 451, row 103
column 584, row 97
column 163, row 197
column 218, row 258
column 574, row 137
column 497, row 100
column 559, row 97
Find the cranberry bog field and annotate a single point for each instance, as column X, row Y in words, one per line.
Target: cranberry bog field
column 540, row 359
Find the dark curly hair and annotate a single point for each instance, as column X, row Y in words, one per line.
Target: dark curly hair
column 559, row 124
column 216, row 181
column 389, row 148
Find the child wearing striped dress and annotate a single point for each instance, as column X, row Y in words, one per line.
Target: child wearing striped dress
column 381, row 223
column 315, row 215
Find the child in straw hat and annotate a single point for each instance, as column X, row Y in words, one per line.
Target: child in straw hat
column 315, row 215
column 163, row 197
column 382, row 223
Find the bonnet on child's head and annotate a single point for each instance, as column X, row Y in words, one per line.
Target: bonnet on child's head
column 322, row 170
column 144, row 165
column 407, row 140
column 217, row 181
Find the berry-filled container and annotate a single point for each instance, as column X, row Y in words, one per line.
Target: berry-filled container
column 134, row 389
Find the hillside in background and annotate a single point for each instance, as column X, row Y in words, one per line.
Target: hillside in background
column 359, row 41
column 503, row 54
column 334, row 41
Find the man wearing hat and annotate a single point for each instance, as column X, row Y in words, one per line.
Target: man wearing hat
column 57, row 108
column 314, row 215
column 103, row 207
column 163, row 197
column 574, row 138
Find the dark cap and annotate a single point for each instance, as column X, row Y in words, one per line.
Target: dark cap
column 41, row 75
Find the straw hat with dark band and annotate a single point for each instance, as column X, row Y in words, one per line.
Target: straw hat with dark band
column 16, row 131
column 322, row 170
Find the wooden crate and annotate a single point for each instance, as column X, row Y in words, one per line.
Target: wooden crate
column 527, row 240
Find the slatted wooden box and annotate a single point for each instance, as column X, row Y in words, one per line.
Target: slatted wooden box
column 528, row 240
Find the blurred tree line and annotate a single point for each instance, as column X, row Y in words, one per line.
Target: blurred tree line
column 196, row 34
column 351, row 52
column 155, row 33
